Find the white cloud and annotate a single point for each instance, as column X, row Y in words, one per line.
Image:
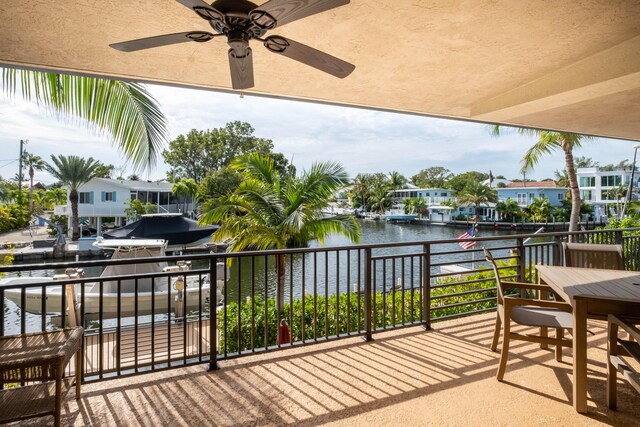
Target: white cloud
column 362, row 140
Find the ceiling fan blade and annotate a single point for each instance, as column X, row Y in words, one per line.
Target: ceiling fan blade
column 241, row 69
column 309, row 56
column 164, row 40
column 276, row 13
column 204, row 10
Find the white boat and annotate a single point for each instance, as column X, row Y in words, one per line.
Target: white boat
column 160, row 294
column 397, row 214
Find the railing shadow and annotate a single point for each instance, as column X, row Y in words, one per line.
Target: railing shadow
column 351, row 378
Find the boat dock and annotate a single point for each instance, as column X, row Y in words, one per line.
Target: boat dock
column 159, row 343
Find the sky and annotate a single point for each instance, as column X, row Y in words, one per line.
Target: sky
column 363, row 141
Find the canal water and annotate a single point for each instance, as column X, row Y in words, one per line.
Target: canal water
column 325, row 272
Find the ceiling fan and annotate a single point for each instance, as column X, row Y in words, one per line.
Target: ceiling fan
column 241, row 21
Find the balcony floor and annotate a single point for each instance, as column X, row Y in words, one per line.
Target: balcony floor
column 405, row 377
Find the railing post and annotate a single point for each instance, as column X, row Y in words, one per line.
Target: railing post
column 368, row 314
column 618, row 235
column 557, row 251
column 213, row 314
column 521, row 260
column 426, row 287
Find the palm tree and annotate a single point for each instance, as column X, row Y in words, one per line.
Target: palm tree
column 562, row 178
column 269, row 212
column 477, row 194
column 508, row 209
column 34, row 163
column 185, row 188
column 125, row 110
column 73, row 171
column 539, row 209
column 397, row 181
column 547, row 142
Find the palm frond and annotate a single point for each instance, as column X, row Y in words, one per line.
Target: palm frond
column 125, row 110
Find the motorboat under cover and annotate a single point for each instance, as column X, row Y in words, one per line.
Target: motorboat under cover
column 174, row 228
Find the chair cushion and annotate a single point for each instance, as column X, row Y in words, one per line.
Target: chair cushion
column 542, row 316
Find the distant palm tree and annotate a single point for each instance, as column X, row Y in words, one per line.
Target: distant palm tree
column 269, row 212
column 477, row 194
column 508, row 209
column 126, row 110
column 397, row 181
column 185, row 189
column 547, row 142
column 73, row 171
column 34, row 163
column 539, row 209
column 562, row 178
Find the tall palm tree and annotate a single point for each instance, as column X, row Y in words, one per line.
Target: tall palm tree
column 185, row 188
column 269, row 212
column 34, row 163
column 547, row 142
column 73, row 171
column 477, row 194
column 125, row 110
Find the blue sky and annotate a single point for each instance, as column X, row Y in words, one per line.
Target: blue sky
column 362, row 140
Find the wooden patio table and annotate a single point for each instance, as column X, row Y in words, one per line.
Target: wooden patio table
column 593, row 293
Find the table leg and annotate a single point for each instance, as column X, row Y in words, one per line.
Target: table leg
column 544, row 332
column 580, row 355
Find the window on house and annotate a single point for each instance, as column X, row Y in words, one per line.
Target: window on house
column 522, row 198
column 85, row 197
column 587, row 181
column 586, row 195
column 560, row 196
column 611, row 180
column 134, row 195
column 108, row 196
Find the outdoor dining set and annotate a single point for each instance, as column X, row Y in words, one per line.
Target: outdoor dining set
column 592, row 285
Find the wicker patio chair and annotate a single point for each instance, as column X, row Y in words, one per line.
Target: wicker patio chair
column 587, row 255
column 617, row 350
column 34, row 366
column 536, row 312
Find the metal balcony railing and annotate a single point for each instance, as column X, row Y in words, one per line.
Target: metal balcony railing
column 143, row 322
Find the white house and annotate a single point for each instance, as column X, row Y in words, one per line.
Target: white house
column 595, row 188
column 108, row 198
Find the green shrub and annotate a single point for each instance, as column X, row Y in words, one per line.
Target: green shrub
column 342, row 314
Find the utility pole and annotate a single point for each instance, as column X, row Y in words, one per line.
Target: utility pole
column 22, row 143
column 630, row 188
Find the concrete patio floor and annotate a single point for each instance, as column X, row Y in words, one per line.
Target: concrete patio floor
column 409, row 377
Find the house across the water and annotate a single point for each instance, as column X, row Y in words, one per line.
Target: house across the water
column 104, row 200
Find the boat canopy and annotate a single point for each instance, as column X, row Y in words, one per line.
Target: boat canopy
column 174, row 228
column 127, row 249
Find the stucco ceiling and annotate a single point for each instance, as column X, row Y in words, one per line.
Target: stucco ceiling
column 566, row 65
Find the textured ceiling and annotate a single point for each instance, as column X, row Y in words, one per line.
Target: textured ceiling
column 566, row 65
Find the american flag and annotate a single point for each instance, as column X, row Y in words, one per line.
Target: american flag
column 467, row 234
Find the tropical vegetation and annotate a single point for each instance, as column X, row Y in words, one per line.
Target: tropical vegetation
column 72, row 171
column 344, row 313
column 548, row 142
column 269, row 211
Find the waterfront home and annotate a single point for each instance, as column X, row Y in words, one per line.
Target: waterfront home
column 567, row 66
column 605, row 190
column 108, row 198
column 431, row 196
column 525, row 192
